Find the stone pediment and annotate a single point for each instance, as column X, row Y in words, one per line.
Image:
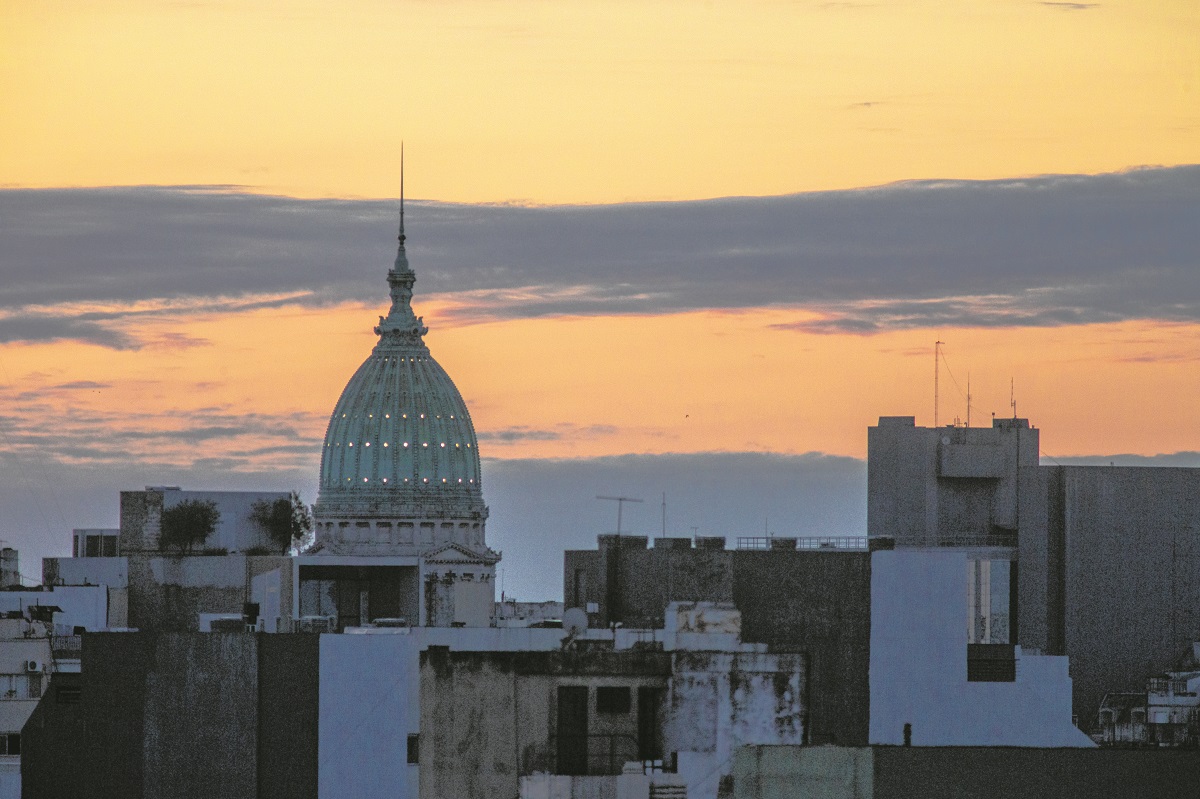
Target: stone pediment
column 457, row 553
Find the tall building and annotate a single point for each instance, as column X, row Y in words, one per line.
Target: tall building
column 1099, row 563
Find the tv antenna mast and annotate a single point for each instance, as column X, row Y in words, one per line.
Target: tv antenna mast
column 937, row 362
column 968, row 399
column 620, row 504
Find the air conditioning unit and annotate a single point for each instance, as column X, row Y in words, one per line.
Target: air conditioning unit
column 318, row 624
column 32, row 666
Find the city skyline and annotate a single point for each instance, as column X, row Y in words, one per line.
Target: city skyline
column 583, row 291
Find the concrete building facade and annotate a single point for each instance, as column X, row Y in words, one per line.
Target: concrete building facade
column 667, row 707
column 931, row 772
column 1105, row 558
column 816, row 601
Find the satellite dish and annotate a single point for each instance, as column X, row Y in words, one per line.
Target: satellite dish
column 575, row 621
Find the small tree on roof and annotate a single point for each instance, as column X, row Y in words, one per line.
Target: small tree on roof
column 283, row 520
column 188, row 523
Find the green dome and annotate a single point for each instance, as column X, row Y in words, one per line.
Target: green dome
column 400, row 444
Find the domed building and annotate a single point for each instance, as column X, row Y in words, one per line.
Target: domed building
column 399, row 515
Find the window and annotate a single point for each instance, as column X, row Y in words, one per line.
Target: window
column 10, row 744
column 991, row 663
column 613, row 699
column 414, row 748
column 580, row 588
column 68, row 694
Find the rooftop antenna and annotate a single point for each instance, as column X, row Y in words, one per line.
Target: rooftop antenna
column 1012, row 396
column 664, row 515
column 620, row 504
column 968, row 399
column 937, row 358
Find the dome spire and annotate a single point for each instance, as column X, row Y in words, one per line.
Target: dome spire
column 401, row 327
column 401, row 193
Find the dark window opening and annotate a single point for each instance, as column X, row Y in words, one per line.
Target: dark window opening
column 414, row 748
column 572, row 730
column 613, row 699
column 991, row 663
column 581, row 595
column 649, row 735
column 68, row 694
column 10, row 744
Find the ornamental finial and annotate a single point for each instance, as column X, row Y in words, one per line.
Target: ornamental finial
column 402, row 192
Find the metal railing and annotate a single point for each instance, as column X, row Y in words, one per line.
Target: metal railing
column 593, row 754
column 850, row 543
column 66, row 647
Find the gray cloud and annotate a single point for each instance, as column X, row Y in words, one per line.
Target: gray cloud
column 1049, row 250
column 37, row 328
column 77, row 385
column 1069, row 6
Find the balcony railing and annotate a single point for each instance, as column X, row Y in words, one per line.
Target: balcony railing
column 66, row 647
column 593, row 754
column 850, row 543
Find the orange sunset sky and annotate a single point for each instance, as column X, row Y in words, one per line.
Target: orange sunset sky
column 565, row 107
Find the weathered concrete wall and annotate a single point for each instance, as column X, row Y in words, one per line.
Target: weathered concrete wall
column 488, row 717
column 167, row 593
column 919, row 772
column 818, row 603
column 720, row 701
column 784, row 772
column 141, row 513
column 175, row 715
column 799, row 601
column 901, row 481
column 201, row 717
column 370, row 702
column 1132, row 575
column 633, row 584
column 1036, row 570
column 929, row 485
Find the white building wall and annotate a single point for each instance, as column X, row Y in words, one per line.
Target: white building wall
column 369, row 702
column 235, row 532
column 918, row 672
column 113, row 572
column 10, row 777
column 81, row 606
column 264, row 589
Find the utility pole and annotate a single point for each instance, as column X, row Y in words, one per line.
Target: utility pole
column 621, row 504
